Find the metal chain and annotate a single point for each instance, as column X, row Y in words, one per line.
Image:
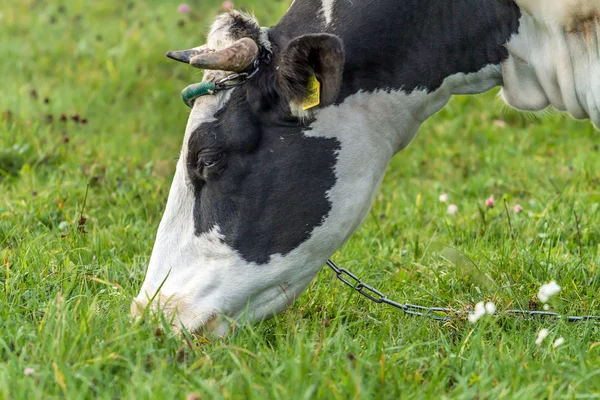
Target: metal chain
column 435, row 313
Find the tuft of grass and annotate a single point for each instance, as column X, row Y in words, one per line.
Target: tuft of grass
column 112, row 127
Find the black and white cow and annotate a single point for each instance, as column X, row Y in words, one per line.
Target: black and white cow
column 265, row 191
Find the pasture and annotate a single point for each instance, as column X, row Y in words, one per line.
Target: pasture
column 91, row 123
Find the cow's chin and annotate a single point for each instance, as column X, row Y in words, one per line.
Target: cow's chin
column 549, row 66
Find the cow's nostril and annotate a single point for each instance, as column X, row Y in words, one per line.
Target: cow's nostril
column 211, row 323
column 179, row 313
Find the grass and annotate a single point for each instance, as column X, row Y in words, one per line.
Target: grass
column 65, row 294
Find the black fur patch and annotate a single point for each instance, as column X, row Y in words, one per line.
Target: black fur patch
column 270, row 192
column 408, row 44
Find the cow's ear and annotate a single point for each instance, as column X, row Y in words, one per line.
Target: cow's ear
column 305, row 58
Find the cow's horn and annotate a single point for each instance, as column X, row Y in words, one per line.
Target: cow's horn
column 186, row 55
column 235, row 58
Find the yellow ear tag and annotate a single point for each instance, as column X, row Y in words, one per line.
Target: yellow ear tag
column 313, row 97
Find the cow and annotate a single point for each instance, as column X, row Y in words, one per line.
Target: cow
column 292, row 129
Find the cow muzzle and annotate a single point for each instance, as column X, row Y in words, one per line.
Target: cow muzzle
column 180, row 314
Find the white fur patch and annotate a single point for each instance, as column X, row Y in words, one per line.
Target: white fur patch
column 565, row 13
column 327, row 11
column 264, row 39
column 220, row 36
column 297, row 111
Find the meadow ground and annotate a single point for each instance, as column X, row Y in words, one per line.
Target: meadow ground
column 65, row 329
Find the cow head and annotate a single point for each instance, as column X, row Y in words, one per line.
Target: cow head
column 555, row 58
column 256, row 205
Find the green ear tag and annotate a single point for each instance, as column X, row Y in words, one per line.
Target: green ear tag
column 313, row 97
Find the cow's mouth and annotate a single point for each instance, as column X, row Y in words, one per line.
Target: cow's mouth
column 180, row 315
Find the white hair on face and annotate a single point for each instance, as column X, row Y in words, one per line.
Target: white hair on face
column 220, row 34
column 328, row 10
column 566, row 13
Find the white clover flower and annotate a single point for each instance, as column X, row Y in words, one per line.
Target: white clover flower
column 490, row 308
column 444, row 197
column 546, row 307
column 28, row 371
column 558, row 342
column 548, row 290
column 478, row 313
column 480, row 310
column 541, row 336
column 452, row 209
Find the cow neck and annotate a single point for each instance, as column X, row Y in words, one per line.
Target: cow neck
column 407, row 44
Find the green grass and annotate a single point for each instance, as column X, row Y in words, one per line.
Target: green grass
column 65, row 295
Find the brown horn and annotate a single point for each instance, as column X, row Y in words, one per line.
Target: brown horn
column 235, row 58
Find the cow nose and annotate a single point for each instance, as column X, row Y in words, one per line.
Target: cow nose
column 137, row 307
column 153, row 301
column 181, row 315
column 157, row 302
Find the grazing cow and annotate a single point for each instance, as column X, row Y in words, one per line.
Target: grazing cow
column 277, row 172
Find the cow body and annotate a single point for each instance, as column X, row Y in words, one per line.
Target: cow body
column 265, row 192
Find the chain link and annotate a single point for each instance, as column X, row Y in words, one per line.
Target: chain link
column 234, row 80
column 435, row 313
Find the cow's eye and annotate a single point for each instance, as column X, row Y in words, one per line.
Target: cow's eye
column 209, row 160
column 209, row 165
